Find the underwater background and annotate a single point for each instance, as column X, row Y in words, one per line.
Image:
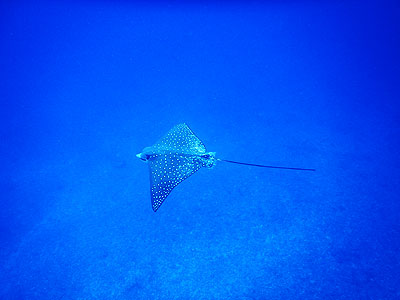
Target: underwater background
column 86, row 85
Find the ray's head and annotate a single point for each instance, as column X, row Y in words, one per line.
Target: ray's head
column 142, row 156
column 145, row 154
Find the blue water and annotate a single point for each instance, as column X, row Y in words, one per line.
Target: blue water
column 85, row 85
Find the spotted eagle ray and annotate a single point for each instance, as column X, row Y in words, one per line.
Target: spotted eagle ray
column 178, row 155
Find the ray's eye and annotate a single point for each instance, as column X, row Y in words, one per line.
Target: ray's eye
column 206, row 156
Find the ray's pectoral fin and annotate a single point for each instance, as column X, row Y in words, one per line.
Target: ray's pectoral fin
column 166, row 172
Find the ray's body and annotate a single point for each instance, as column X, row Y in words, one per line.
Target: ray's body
column 178, row 155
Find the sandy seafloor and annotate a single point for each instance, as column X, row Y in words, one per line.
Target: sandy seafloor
column 87, row 85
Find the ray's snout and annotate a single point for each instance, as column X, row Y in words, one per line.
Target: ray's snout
column 145, row 154
column 142, row 156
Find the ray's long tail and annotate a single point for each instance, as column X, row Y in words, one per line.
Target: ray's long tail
column 264, row 166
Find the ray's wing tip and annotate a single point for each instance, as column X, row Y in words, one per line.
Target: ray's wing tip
column 154, row 206
column 184, row 124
